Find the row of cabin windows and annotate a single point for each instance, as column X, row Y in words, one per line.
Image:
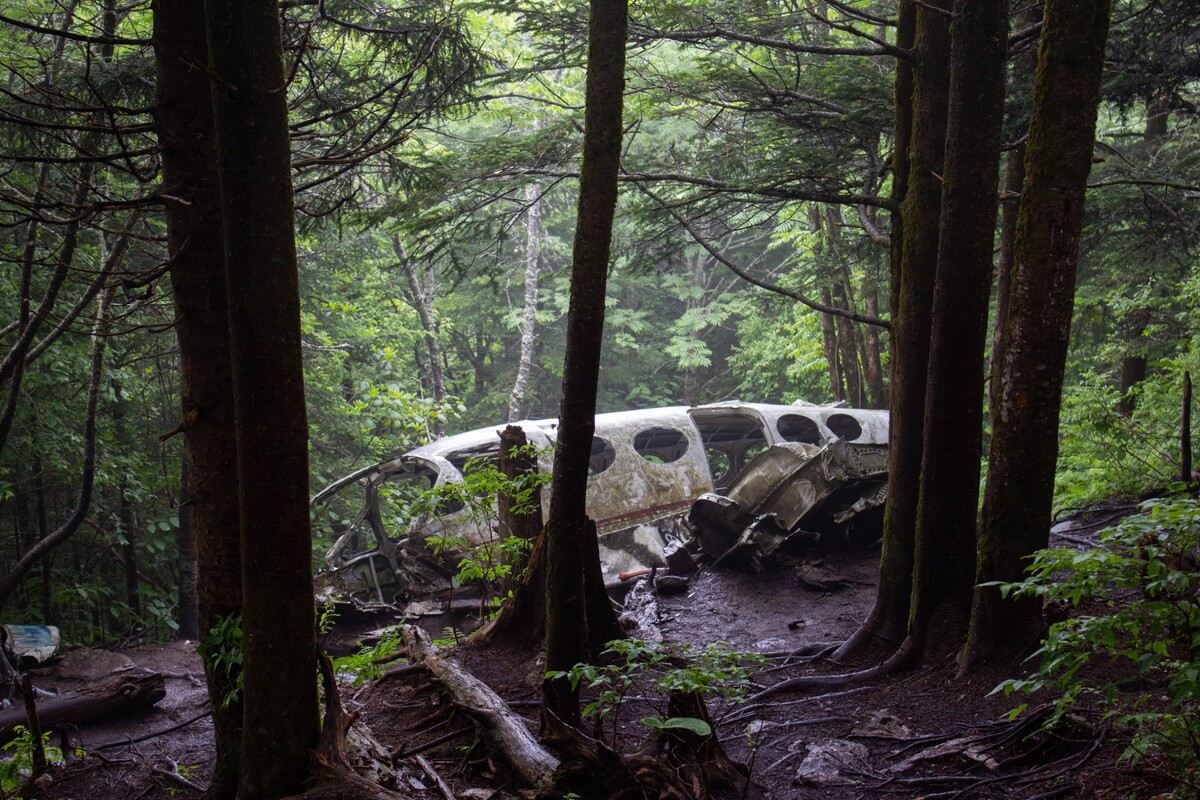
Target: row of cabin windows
column 728, row 446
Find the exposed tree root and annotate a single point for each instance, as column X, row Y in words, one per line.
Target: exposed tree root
column 904, row 656
column 700, row 761
column 331, row 776
column 986, row 747
column 593, row 770
column 522, row 618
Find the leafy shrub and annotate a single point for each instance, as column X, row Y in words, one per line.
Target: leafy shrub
column 485, row 554
column 222, row 652
column 1105, row 454
column 361, row 666
column 716, row 669
column 15, row 771
column 1141, row 589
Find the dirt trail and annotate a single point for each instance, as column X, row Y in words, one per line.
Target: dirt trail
column 815, row 598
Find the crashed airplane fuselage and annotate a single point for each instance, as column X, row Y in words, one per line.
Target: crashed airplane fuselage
column 647, row 469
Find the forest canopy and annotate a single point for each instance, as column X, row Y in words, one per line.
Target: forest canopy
column 435, row 157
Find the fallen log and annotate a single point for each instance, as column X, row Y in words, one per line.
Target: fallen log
column 502, row 728
column 126, row 693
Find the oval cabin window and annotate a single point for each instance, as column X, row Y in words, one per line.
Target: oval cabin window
column 661, row 445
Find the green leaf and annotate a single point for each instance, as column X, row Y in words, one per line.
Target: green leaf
column 696, row 726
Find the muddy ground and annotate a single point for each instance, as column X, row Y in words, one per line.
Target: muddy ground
column 912, row 734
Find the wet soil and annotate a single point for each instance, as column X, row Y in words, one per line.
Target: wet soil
column 875, row 738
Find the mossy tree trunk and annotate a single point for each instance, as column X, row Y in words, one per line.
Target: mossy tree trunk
column 944, row 563
column 922, row 85
column 1020, row 479
column 280, row 720
column 567, row 547
column 195, row 241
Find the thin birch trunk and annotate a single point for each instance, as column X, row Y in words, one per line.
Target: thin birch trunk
column 533, row 239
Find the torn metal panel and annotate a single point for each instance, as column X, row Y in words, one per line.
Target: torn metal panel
column 648, row 468
column 30, row 643
column 792, row 492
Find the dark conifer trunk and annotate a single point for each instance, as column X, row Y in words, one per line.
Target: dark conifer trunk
column 1020, row 480
column 829, row 346
column 921, row 93
column 953, row 433
column 195, row 236
column 568, row 548
column 1014, row 176
column 280, row 717
column 872, row 352
column 189, row 620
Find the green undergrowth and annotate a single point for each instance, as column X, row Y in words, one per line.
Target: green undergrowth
column 1130, row 645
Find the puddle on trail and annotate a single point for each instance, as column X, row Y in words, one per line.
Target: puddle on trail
column 778, row 610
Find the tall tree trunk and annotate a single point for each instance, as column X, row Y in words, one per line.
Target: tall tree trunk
column 872, row 348
column 189, row 619
column 944, row 566
column 423, row 288
column 567, row 627
column 1020, row 479
column 39, row 489
column 829, row 331
column 1133, row 372
column 697, row 280
column 829, row 346
column 849, row 334
column 1185, row 431
column 848, row 348
column 1024, row 67
column 921, row 95
column 129, row 555
column 533, row 238
column 1014, row 176
column 125, row 517
column 1133, row 365
column 279, row 646
column 195, row 245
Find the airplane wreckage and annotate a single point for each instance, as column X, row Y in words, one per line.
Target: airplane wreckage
column 735, row 480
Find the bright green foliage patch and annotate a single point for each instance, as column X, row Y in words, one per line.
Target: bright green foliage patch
column 362, row 666
column 1139, row 594
column 485, row 553
column 715, row 669
column 15, row 770
column 221, row 650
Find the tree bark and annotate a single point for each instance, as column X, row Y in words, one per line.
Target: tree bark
column 1020, row 479
column 567, row 551
column 921, row 96
column 195, row 245
column 944, row 565
column 504, row 730
column 124, row 694
column 189, row 620
column 280, row 697
column 848, row 348
column 129, row 555
column 1014, row 176
column 829, row 346
column 533, row 238
column 1185, row 431
column 423, row 292
column 1133, row 372
column 515, row 463
column 873, row 349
